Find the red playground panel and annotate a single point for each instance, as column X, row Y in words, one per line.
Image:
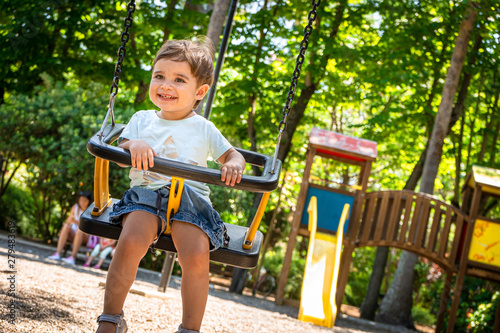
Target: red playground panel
column 334, row 144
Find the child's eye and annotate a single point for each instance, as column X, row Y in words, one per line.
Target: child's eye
column 180, row 80
column 159, row 77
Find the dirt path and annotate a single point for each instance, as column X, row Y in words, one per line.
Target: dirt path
column 55, row 297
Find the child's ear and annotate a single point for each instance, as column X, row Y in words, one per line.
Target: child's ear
column 202, row 90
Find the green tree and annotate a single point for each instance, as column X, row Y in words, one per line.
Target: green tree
column 51, row 129
column 396, row 305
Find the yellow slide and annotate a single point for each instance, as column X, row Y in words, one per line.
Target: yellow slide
column 317, row 304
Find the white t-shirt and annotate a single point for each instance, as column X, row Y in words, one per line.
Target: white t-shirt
column 191, row 140
column 78, row 212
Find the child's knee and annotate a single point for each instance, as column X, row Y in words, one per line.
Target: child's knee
column 196, row 258
column 133, row 243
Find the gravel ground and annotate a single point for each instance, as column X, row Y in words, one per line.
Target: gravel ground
column 51, row 296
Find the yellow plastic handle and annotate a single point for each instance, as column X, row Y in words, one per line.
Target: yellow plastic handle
column 174, row 199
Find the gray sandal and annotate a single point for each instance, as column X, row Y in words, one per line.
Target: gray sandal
column 183, row 330
column 121, row 324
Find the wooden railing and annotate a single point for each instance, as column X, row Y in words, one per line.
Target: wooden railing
column 416, row 222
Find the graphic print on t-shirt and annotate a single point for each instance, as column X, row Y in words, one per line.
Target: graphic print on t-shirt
column 168, row 149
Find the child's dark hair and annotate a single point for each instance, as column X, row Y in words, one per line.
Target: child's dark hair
column 86, row 194
column 198, row 54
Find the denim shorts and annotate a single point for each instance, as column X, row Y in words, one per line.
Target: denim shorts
column 193, row 209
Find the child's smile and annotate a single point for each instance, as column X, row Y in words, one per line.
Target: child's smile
column 167, row 97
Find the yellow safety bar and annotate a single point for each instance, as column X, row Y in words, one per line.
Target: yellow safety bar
column 174, row 199
column 252, row 230
column 101, row 186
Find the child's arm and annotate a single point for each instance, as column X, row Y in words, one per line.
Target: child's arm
column 142, row 154
column 233, row 164
column 71, row 217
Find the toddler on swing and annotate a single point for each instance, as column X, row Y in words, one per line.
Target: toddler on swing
column 182, row 73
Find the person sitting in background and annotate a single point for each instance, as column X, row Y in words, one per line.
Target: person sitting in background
column 103, row 249
column 70, row 231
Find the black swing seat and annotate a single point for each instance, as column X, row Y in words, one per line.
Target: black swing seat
column 234, row 254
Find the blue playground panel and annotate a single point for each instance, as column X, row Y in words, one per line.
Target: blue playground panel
column 330, row 206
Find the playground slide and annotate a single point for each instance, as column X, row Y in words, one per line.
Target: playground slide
column 317, row 304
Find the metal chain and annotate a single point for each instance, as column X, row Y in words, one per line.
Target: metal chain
column 296, row 74
column 122, row 49
column 119, row 66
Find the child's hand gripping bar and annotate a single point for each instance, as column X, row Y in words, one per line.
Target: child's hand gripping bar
column 101, row 147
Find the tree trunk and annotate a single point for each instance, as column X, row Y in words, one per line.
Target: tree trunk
column 252, row 99
column 297, row 112
column 370, row 304
column 473, row 118
column 396, row 305
column 6, row 175
column 239, row 275
column 217, row 20
column 490, row 123
column 458, row 162
column 458, row 112
column 142, row 89
column 168, row 18
column 371, row 299
column 443, row 116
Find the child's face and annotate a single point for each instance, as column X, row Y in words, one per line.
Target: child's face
column 174, row 89
column 83, row 202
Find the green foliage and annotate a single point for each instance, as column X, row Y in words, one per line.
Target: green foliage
column 359, row 277
column 428, row 285
column 273, row 261
column 477, row 308
column 17, row 206
column 296, row 275
column 48, row 131
column 422, row 316
column 234, row 206
column 483, row 318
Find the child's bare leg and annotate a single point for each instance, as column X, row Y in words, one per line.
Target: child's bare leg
column 89, row 260
column 100, row 262
column 65, row 235
column 193, row 247
column 80, row 238
column 139, row 231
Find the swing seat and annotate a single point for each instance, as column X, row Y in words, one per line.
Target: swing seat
column 245, row 243
column 234, row 254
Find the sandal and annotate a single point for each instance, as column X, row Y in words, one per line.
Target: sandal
column 121, row 324
column 183, row 330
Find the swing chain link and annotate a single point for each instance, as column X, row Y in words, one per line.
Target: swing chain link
column 296, row 74
column 118, row 68
column 300, row 60
column 122, row 49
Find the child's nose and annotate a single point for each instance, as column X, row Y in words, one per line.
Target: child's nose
column 167, row 84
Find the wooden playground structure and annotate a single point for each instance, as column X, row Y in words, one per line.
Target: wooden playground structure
column 416, row 222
